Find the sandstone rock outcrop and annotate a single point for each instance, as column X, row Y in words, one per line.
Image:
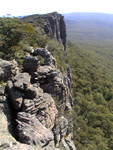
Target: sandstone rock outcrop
column 49, row 60
column 56, row 27
column 35, row 107
column 8, row 69
column 7, row 141
column 30, row 64
column 36, row 95
column 53, row 25
column 44, row 108
column 34, row 102
column 60, row 129
column 50, row 79
column 31, row 131
column 15, row 95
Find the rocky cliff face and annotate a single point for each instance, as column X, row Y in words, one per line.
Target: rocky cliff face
column 53, row 25
column 38, row 97
column 35, row 100
column 56, row 28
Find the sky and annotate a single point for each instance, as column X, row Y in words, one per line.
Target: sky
column 29, row 7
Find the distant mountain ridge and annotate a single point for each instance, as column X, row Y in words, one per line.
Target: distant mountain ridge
column 89, row 27
column 84, row 16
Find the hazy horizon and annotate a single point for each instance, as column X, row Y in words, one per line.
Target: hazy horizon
column 68, row 13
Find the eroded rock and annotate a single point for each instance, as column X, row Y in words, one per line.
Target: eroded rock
column 16, row 97
column 49, row 60
column 43, row 107
column 60, row 129
column 30, row 64
column 39, row 92
column 31, row 131
column 22, row 81
column 56, row 28
column 8, row 69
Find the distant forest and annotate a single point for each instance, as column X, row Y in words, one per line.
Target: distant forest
column 91, row 60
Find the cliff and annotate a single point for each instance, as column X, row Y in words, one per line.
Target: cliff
column 56, row 28
column 35, row 100
column 53, row 25
column 38, row 98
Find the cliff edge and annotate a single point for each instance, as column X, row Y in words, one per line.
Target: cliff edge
column 53, row 25
column 36, row 100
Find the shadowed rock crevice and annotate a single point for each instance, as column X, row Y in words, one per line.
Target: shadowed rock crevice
column 12, row 124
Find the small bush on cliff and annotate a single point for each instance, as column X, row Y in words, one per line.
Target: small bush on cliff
column 42, row 38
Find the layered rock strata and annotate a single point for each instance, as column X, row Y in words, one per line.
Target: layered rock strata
column 7, row 140
column 56, row 27
column 53, row 25
column 39, row 97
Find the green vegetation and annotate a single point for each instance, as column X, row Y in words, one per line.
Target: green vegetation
column 89, row 27
column 34, row 20
column 91, row 60
column 37, row 20
column 93, row 99
column 15, row 38
column 2, row 83
column 90, row 31
column 93, row 33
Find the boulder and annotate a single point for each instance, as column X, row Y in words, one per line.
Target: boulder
column 8, row 69
column 49, row 60
column 30, row 64
column 47, row 71
column 60, row 129
column 2, row 90
column 22, row 81
column 31, row 131
column 16, row 97
column 31, row 92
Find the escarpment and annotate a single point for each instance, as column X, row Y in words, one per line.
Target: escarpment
column 53, row 25
column 56, row 28
column 36, row 101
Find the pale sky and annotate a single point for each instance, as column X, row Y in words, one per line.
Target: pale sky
column 29, row 7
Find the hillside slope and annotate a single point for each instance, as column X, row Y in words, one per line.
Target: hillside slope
column 93, row 101
column 91, row 60
column 93, row 32
column 89, row 27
